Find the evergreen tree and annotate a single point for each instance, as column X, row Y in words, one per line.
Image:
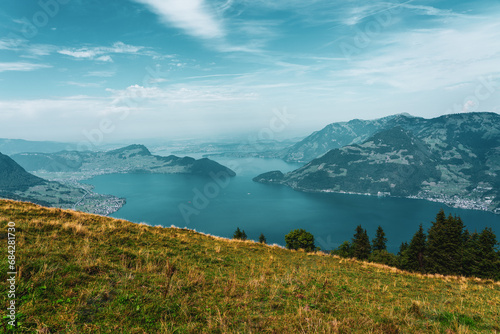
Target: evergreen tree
column 414, row 255
column 379, row 243
column 472, row 255
column 243, row 235
column 445, row 247
column 361, row 244
column 237, row 234
column 402, row 248
column 489, row 264
column 300, row 238
column 402, row 257
column 262, row 239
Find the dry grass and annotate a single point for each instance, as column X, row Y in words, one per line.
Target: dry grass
column 79, row 273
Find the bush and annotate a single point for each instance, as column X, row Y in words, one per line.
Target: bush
column 383, row 257
column 300, row 238
column 344, row 250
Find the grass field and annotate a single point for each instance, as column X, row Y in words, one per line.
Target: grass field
column 81, row 273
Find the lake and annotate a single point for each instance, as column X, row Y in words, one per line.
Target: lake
column 219, row 208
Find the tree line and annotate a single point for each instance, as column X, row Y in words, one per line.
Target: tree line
column 447, row 248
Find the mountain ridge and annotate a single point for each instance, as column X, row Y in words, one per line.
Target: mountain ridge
column 452, row 159
column 130, row 159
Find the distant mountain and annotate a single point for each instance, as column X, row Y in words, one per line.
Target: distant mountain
column 13, row 146
column 130, row 159
column 453, row 159
column 17, row 184
column 337, row 135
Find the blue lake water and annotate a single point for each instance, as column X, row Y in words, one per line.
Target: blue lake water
column 166, row 199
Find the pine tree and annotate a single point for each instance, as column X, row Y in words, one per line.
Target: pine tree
column 379, row 243
column 361, row 244
column 472, row 255
column 402, row 248
column 445, row 247
column 489, row 264
column 243, row 235
column 414, row 255
column 262, row 239
column 237, row 234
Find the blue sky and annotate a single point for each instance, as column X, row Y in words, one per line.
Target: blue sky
column 135, row 69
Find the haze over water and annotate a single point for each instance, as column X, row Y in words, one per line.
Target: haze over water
column 274, row 210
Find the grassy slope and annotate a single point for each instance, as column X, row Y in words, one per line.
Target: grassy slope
column 80, row 273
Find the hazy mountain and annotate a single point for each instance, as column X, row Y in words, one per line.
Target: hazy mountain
column 13, row 146
column 130, row 159
column 17, row 184
column 453, row 159
column 337, row 135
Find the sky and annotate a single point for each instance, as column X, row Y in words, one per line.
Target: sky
column 104, row 71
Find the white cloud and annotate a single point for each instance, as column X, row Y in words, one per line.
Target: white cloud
column 102, row 53
column 427, row 59
column 178, row 94
column 192, row 16
column 105, row 58
column 21, row 66
column 102, row 74
column 83, row 84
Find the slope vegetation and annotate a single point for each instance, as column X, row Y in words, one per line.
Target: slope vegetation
column 81, row 273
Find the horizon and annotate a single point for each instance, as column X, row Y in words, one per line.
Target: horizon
column 248, row 138
column 228, row 69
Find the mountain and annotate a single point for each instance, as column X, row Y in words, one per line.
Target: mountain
column 130, row 159
column 17, row 184
column 104, row 275
column 13, row 177
column 454, row 159
column 337, row 135
column 13, row 146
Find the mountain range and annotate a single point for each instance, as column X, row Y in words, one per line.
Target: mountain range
column 130, row 159
column 454, row 159
column 62, row 171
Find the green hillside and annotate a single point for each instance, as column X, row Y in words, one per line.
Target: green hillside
column 453, row 159
column 82, row 273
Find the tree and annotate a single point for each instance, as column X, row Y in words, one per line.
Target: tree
column 262, row 239
column 361, row 244
column 445, row 246
column 300, row 238
column 344, row 250
column 379, row 243
column 402, row 248
column 489, row 264
column 413, row 256
column 471, row 259
column 239, row 235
